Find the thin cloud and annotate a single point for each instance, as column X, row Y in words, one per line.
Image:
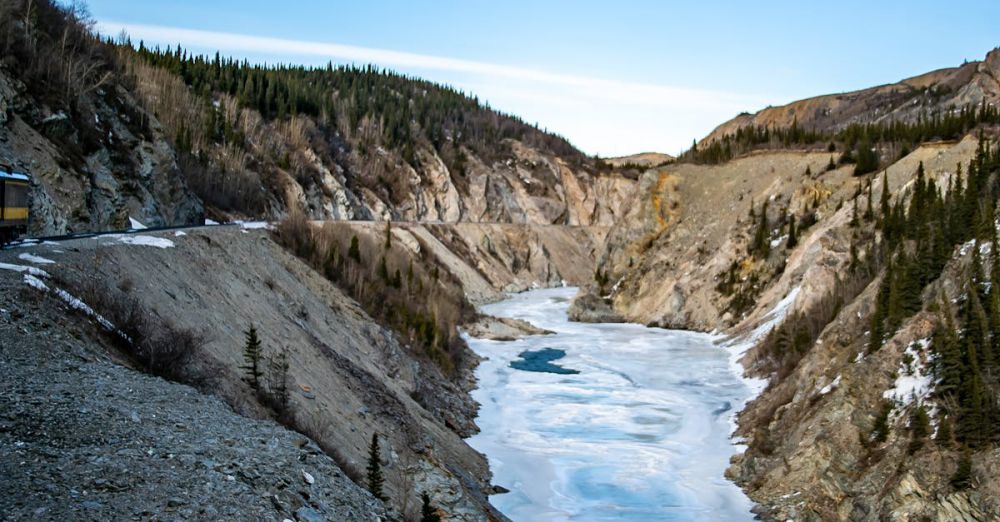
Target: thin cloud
column 632, row 92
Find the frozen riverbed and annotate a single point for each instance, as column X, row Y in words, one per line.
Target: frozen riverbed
column 641, row 432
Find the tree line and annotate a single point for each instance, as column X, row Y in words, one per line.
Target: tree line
column 859, row 142
column 406, row 110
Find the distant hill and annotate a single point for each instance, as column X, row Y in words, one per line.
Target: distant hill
column 924, row 96
column 643, row 159
column 873, row 127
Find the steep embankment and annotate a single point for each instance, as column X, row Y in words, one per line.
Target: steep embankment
column 348, row 377
column 84, row 438
column 811, row 452
column 788, row 251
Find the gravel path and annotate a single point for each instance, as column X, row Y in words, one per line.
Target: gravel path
column 84, row 438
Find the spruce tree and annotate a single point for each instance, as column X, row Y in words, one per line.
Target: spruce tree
column 793, row 238
column 880, row 430
column 944, row 436
column 251, row 355
column 869, row 210
column 962, row 478
column 428, row 513
column 919, row 427
column 375, row 479
column 354, row 252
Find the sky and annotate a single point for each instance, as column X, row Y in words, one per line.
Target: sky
column 614, row 78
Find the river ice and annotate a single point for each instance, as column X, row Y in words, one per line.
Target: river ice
column 641, row 433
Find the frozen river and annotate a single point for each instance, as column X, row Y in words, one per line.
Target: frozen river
column 606, row 421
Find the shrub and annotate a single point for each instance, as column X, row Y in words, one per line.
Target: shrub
column 157, row 344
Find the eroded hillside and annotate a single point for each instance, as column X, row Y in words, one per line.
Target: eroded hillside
column 803, row 257
column 112, row 131
column 347, row 376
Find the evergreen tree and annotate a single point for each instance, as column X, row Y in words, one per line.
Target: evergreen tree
column 354, row 252
column 884, row 202
column 869, row 210
column 867, row 159
column 252, row 355
column 962, row 478
column 375, row 479
column 919, row 427
column 761, row 244
column 428, row 513
column 880, row 430
column 793, row 239
column 388, row 235
column 944, row 436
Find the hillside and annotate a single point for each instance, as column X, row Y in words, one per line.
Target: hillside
column 871, row 128
column 165, row 137
column 920, row 97
column 849, row 293
column 347, row 376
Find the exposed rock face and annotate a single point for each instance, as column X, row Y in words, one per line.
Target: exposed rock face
column 970, row 84
column 502, row 328
column 805, row 461
column 96, row 174
column 331, row 175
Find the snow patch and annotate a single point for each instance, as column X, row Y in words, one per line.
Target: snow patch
column 134, row 224
column 180, row 233
column 139, row 240
column 830, row 387
column 254, row 225
column 739, row 347
column 210, row 222
column 38, row 260
column 70, row 300
column 35, row 282
column 914, row 380
column 37, row 272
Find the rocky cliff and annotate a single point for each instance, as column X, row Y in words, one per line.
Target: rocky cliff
column 780, row 250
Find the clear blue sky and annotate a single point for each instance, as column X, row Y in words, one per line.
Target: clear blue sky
column 613, row 77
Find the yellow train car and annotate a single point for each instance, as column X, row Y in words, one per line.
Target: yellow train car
column 14, row 189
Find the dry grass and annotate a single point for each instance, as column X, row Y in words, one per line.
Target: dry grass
column 157, row 344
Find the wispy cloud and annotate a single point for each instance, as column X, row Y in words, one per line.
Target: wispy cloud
column 516, row 82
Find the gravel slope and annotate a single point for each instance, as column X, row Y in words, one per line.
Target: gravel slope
column 85, row 438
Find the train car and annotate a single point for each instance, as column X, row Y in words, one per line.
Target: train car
column 14, row 187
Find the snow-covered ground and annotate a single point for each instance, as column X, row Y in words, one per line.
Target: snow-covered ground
column 141, row 240
column 913, row 379
column 640, row 433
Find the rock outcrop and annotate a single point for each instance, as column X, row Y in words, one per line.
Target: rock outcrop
column 675, row 261
column 93, row 171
